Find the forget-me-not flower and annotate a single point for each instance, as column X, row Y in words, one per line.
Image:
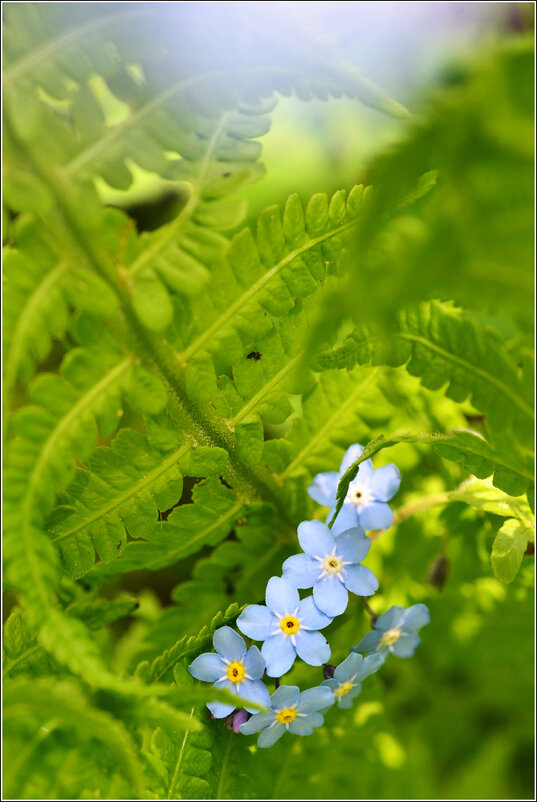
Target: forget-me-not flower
column 331, row 565
column 365, row 503
column 288, row 627
column 395, row 632
column 348, row 676
column 234, row 668
column 290, row 710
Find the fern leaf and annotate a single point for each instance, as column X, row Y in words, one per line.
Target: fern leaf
column 512, row 471
column 286, row 262
column 187, row 529
column 440, row 344
column 39, row 700
column 187, row 647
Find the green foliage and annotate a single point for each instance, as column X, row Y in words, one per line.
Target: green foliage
column 170, row 394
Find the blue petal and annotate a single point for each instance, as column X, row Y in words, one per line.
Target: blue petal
column 348, row 668
column 271, row 735
column 257, row 622
column 220, row 710
column 385, row 482
column 360, row 580
column 330, row 683
column 353, row 545
column 315, row 538
column 279, row 654
column 285, row 696
column 370, row 664
column 254, row 663
column 351, row 455
column 347, row 519
column 310, row 616
column 415, row 617
column 376, row 515
column 256, row 723
column 254, row 691
column 368, row 643
column 390, row 619
column 208, row 667
column 229, row 644
column 306, row 725
column 323, row 489
column 301, row 570
column 330, row 596
column 281, row 597
column 312, row 647
column 315, row 699
column 406, row 645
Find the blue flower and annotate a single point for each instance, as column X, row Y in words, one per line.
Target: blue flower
column 395, row 632
column 287, row 625
column 234, row 668
column 290, row 710
column 365, row 503
column 331, row 566
column 348, row 676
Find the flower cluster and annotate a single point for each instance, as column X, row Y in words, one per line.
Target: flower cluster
column 288, row 627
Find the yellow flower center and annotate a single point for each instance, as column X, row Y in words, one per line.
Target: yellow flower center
column 290, row 625
column 236, row 672
column 391, row 636
column 332, row 564
column 343, row 688
column 286, row 715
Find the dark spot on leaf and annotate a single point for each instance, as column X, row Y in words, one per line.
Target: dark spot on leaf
column 254, row 355
column 226, row 175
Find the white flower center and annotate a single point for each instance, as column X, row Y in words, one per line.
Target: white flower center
column 331, row 565
column 358, row 494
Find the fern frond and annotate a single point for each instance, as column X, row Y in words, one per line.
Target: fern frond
column 440, row 344
column 36, row 701
column 287, row 261
column 187, row 647
column 186, row 530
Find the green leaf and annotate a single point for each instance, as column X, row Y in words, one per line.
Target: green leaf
column 508, row 548
column 441, row 344
column 151, row 302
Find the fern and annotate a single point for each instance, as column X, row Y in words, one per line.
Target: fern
column 440, row 344
column 166, row 404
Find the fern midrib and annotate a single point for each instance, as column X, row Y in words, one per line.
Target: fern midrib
column 179, row 761
column 171, row 231
column 266, row 389
column 177, row 552
column 457, row 360
column 248, row 294
column 33, row 58
column 138, row 486
column 524, row 408
column 83, row 403
column 320, row 434
column 39, row 467
column 22, row 656
column 495, row 459
column 102, row 144
column 33, row 303
column 152, row 351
